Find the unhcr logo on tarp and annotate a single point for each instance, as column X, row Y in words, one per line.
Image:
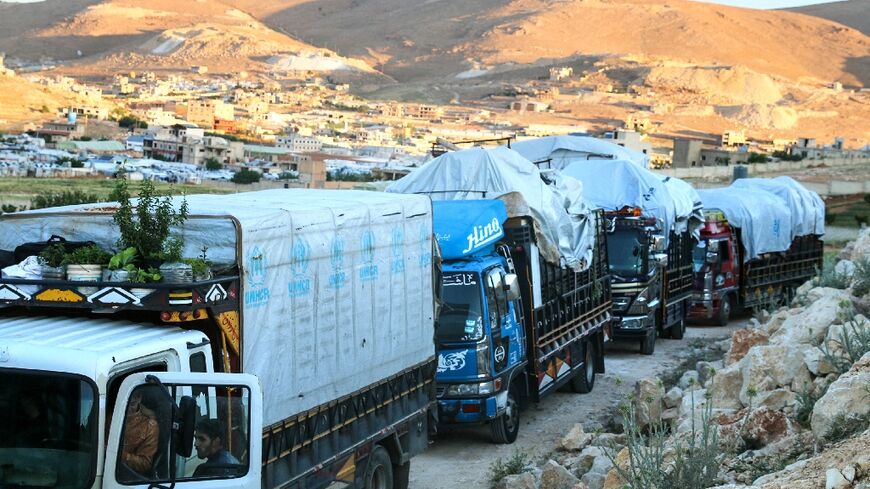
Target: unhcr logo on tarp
column 483, row 235
column 369, row 271
column 257, row 293
column 300, row 285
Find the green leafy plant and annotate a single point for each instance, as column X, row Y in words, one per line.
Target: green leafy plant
column 172, row 249
column 123, row 259
column 861, row 278
column 246, row 176
column 852, row 342
column 199, row 266
column 66, row 197
column 87, row 255
column 146, row 225
column 517, row 463
column 141, row 276
column 213, row 164
column 53, row 255
column 806, row 400
column 830, row 277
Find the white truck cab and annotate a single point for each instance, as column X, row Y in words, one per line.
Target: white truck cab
column 60, row 376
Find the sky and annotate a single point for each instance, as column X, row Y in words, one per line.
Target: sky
column 763, row 4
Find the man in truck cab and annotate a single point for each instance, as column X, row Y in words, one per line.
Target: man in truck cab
column 209, row 442
column 141, row 433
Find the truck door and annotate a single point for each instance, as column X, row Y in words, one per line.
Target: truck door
column 507, row 336
column 191, row 429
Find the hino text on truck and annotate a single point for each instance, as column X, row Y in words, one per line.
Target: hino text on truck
column 308, row 358
column 526, row 292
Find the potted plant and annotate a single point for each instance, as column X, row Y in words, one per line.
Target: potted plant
column 146, row 226
column 86, row 265
column 121, row 265
column 201, row 266
column 51, row 260
column 174, row 268
column 142, row 276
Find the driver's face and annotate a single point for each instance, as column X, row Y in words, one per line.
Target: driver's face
column 205, row 445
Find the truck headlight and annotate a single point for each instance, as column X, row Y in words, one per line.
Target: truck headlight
column 481, row 389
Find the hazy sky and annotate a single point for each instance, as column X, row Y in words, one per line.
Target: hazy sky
column 736, row 3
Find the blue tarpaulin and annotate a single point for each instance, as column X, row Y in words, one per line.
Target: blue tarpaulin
column 468, row 227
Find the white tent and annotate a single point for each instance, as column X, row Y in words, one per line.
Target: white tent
column 564, row 150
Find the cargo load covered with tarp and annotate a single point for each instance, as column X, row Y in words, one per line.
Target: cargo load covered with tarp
column 564, row 230
column 764, row 219
column 564, row 150
column 687, row 205
column 806, row 207
column 336, row 285
column 612, row 185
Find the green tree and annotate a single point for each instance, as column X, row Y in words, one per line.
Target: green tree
column 212, row 164
column 246, row 177
column 67, row 197
column 757, row 158
column 132, row 122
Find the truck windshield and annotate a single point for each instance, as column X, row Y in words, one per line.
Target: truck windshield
column 48, row 430
column 461, row 317
column 699, row 256
column 625, row 249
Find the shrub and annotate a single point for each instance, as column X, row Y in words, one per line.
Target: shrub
column 66, row 197
column 53, row 255
column 861, row 277
column 87, row 255
column 845, row 425
column 517, row 464
column 147, row 225
column 212, row 164
column 852, row 343
column 830, row 277
column 246, row 177
column 694, row 466
column 806, row 400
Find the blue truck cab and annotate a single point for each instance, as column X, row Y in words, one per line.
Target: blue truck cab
column 495, row 348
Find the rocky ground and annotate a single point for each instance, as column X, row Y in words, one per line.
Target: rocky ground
column 786, row 405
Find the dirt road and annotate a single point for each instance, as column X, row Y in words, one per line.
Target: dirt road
column 461, row 459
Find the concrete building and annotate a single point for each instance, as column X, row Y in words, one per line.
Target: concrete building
column 687, row 153
column 188, row 144
column 529, row 106
column 732, row 138
column 632, row 140
column 298, row 143
column 722, row 157
column 560, row 73
column 204, row 112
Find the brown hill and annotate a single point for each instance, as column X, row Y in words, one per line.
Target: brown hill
column 853, row 13
column 22, row 101
column 116, row 35
column 423, row 39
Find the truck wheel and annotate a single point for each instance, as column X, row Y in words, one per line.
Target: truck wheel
column 724, row 312
column 506, row 427
column 401, row 475
column 379, row 473
column 648, row 344
column 583, row 380
column 678, row 330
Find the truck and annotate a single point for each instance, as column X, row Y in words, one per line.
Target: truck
column 650, row 227
column 516, row 321
column 762, row 239
column 307, row 361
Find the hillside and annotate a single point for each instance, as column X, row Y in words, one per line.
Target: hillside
column 428, row 39
column 104, row 37
column 852, row 13
column 22, row 101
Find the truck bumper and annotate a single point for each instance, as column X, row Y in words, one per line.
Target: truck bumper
column 461, row 411
column 702, row 309
column 632, row 327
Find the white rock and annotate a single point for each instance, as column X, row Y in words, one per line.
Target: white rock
column 689, row 381
column 593, row 481
column 648, row 395
column 517, row 481
column 849, row 473
column 554, row 476
column 835, row 480
column 576, row 439
column 847, row 396
column 768, row 367
column 673, row 397
column 816, row 362
column 845, row 267
column 811, row 325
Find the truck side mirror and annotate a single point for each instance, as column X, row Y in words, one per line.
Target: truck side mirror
column 511, row 287
column 661, row 259
column 658, row 242
column 186, row 423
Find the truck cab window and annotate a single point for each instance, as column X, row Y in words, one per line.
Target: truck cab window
column 495, row 297
column 48, row 429
column 460, row 318
column 197, row 362
column 221, row 437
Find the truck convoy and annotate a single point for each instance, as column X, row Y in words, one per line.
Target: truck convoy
column 526, row 292
column 761, row 240
column 323, row 299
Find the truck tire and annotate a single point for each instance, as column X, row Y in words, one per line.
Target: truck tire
column 724, row 312
column 678, row 330
column 379, row 473
column 401, row 475
column 648, row 344
column 583, row 380
column 506, row 427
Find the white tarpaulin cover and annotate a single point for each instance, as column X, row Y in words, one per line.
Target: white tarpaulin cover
column 612, row 185
column 564, row 150
column 813, row 204
column 764, row 219
column 805, row 215
column 337, row 285
column 688, row 207
column 562, row 225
